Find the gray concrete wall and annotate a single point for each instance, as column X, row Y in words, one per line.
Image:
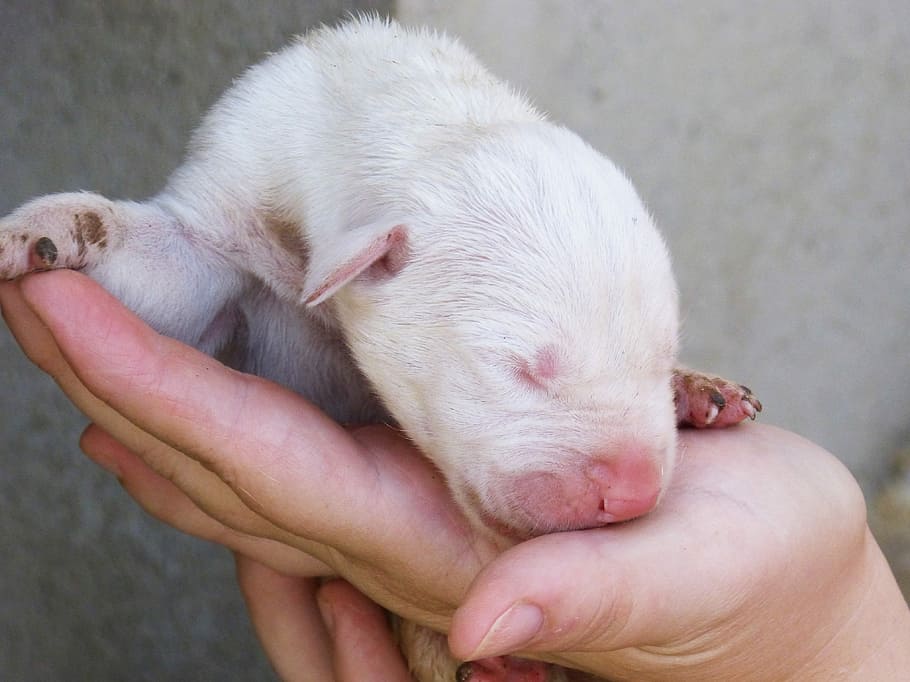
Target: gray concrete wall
column 771, row 139
column 102, row 95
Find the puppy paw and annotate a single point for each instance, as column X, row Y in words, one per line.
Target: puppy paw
column 503, row 669
column 55, row 231
column 703, row 401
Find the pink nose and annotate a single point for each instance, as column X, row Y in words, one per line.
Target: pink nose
column 604, row 491
column 629, row 486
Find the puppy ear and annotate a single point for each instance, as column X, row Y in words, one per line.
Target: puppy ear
column 377, row 250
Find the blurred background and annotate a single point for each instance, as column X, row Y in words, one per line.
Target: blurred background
column 770, row 139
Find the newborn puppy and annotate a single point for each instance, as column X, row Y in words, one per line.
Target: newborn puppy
column 373, row 220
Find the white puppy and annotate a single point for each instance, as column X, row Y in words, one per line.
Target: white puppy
column 372, row 219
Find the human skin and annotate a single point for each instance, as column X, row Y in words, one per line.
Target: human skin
column 758, row 563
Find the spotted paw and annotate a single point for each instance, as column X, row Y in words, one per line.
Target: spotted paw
column 55, row 231
column 703, row 401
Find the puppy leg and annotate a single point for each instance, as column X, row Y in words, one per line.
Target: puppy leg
column 142, row 254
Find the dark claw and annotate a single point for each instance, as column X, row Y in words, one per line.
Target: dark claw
column 718, row 399
column 464, row 672
column 46, row 250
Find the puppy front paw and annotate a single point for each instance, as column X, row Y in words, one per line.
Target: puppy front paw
column 704, row 401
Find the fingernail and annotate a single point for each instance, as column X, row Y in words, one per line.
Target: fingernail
column 511, row 631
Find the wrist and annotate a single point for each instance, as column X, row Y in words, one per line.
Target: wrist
column 872, row 641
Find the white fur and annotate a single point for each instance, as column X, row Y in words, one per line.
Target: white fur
column 518, row 236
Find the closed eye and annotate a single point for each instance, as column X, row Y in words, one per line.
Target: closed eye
column 542, row 371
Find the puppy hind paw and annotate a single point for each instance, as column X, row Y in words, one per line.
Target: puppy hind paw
column 503, row 669
column 22, row 253
column 55, row 231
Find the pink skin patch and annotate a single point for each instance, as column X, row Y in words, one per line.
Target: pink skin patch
column 606, row 489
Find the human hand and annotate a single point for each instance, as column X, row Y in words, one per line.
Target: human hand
column 750, row 567
column 239, row 460
column 815, row 601
column 758, row 564
column 319, row 632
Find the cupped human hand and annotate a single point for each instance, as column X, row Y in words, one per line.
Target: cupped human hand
column 757, row 564
column 235, row 459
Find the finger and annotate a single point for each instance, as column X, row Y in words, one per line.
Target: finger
column 40, row 346
column 163, row 500
column 36, row 341
column 363, row 647
column 274, row 453
column 515, row 605
column 286, row 620
column 264, row 442
column 127, row 366
column 182, row 397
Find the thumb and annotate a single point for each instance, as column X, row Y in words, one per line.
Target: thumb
column 614, row 589
column 524, row 602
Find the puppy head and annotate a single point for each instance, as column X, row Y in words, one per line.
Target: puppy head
column 521, row 325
